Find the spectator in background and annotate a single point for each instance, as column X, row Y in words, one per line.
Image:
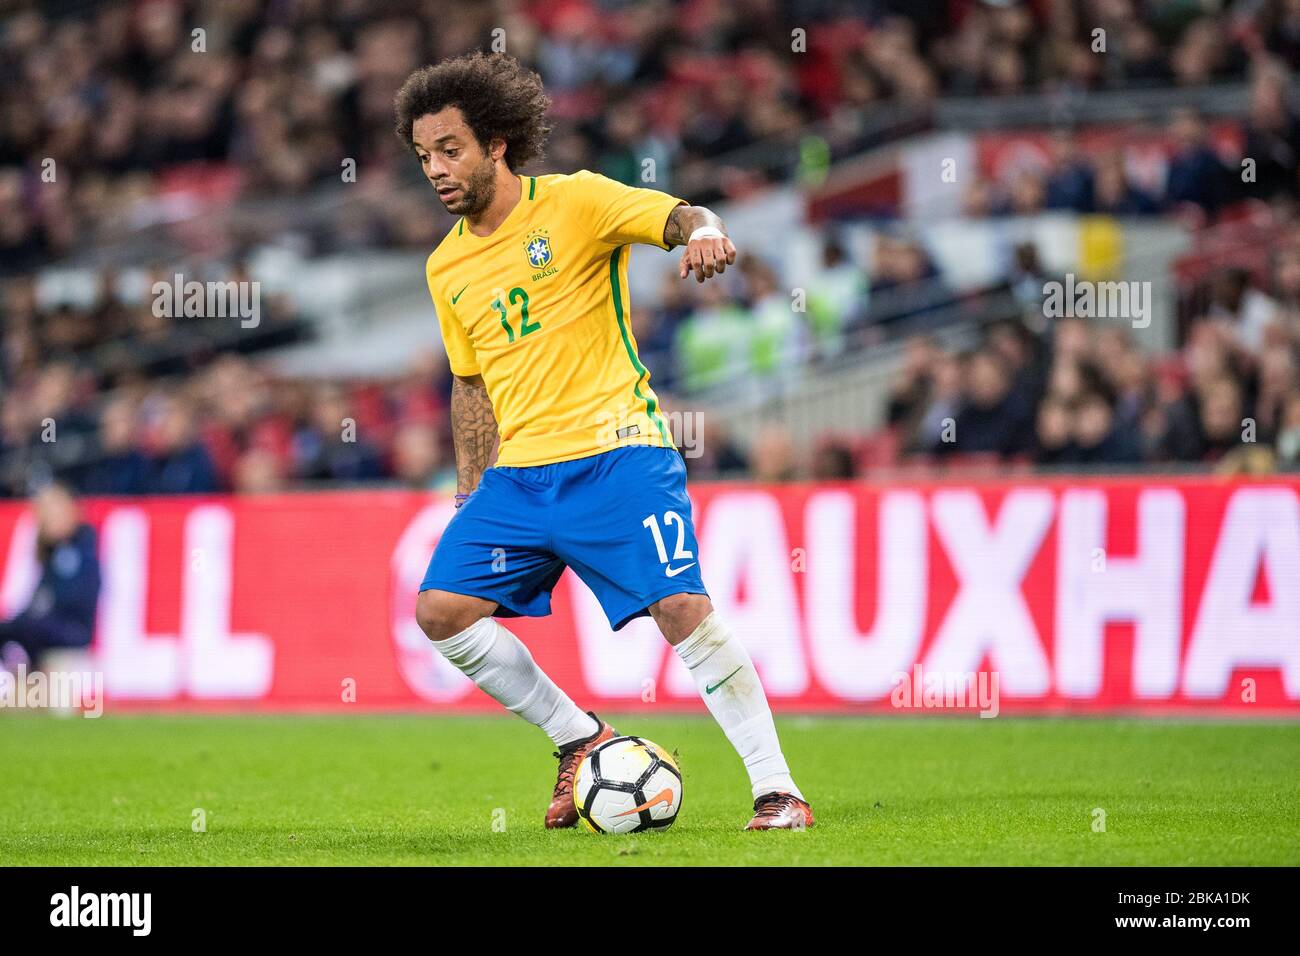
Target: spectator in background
column 239, row 414
column 1178, row 428
column 1125, row 371
column 1053, row 430
column 714, row 454
column 1244, row 310
column 1220, row 418
column 1280, row 28
column 258, row 472
column 1026, row 276
column 1288, row 434
column 913, row 385
column 418, row 461
column 937, row 423
column 627, row 147
column 181, row 464
column 979, row 200
column 329, row 448
column 1272, row 137
column 990, row 418
column 59, row 397
column 120, row 468
column 839, row 298
column 1203, row 53
column 710, row 342
column 1098, row 437
column 832, row 460
column 1206, row 422
column 61, row 613
column 1248, row 459
column 1069, row 340
column 1285, row 286
column 1069, row 177
column 1019, row 349
column 1276, row 377
column 1142, row 61
column 778, row 338
column 1027, row 195
column 905, row 282
column 656, row 327
column 1112, row 192
column 772, row 457
column 926, row 396
column 1195, row 174
column 1005, row 71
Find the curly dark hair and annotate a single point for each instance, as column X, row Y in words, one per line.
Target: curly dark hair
column 500, row 99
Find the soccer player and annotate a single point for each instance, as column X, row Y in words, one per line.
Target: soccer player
column 530, row 287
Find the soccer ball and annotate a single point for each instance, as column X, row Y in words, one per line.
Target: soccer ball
column 626, row 785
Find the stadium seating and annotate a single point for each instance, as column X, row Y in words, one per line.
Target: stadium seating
column 231, row 147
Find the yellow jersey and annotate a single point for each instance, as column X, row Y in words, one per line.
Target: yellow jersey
column 540, row 309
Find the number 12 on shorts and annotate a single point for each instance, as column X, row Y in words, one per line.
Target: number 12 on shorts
column 679, row 552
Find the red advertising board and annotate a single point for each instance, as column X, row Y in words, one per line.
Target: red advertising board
column 1153, row 595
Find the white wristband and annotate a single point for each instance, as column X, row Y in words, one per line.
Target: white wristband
column 706, row 232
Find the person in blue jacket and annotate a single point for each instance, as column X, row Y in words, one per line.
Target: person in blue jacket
column 61, row 613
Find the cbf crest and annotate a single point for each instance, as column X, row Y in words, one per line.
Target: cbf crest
column 537, row 246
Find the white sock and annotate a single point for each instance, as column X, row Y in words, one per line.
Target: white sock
column 501, row 666
column 720, row 664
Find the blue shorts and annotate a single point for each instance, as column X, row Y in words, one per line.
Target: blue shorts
column 621, row 519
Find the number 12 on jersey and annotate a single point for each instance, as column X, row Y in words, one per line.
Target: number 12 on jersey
column 516, row 295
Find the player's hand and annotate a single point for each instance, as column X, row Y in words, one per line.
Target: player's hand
column 707, row 257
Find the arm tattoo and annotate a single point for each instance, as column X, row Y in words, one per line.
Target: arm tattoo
column 684, row 220
column 473, row 430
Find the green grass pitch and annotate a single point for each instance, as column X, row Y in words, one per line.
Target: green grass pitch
column 433, row 790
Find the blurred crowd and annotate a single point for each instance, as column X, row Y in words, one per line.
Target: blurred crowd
column 1067, row 392
column 123, row 331
column 116, row 115
column 1077, row 392
column 1198, row 182
column 230, row 426
column 121, row 115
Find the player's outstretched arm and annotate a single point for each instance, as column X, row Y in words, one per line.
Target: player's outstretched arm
column 708, row 250
column 473, row 430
